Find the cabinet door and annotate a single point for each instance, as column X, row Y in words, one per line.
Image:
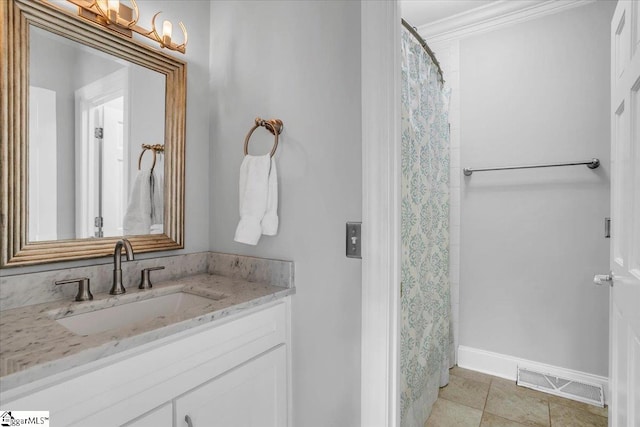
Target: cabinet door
column 160, row 417
column 252, row 395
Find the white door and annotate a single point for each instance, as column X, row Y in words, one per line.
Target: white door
column 114, row 189
column 102, row 164
column 624, row 314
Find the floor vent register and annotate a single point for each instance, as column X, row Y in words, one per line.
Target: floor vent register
column 574, row 390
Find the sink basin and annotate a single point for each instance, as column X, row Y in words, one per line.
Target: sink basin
column 126, row 314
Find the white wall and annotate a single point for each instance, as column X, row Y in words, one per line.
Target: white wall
column 299, row 62
column 531, row 241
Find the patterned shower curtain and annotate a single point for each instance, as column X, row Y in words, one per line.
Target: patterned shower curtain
column 426, row 336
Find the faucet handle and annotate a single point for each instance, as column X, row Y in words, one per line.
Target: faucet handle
column 145, row 281
column 84, row 292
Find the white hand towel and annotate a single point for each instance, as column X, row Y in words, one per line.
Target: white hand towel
column 157, row 201
column 270, row 221
column 137, row 219
column 254, row 189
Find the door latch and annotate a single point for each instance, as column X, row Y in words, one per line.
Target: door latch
column 603, row 279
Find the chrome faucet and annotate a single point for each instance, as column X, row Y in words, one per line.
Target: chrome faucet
column 117, row 287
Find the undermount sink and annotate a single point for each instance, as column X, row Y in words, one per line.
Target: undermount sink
column 125, row 314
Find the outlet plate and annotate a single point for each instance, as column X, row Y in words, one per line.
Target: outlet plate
column 354, row 240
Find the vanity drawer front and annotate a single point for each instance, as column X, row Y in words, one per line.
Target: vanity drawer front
column 119, row 392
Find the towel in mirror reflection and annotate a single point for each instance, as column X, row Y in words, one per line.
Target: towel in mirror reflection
column 144, row 213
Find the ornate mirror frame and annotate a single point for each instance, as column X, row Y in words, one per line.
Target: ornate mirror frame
column 15, row 18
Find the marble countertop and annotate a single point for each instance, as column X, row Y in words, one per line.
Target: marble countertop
column 35, row 345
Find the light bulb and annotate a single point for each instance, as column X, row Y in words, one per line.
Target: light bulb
column 166, row 32
column 113, row 7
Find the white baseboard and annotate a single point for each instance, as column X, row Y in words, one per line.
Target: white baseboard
column 505, row 366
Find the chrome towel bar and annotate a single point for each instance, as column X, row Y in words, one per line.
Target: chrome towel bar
column 591, row 164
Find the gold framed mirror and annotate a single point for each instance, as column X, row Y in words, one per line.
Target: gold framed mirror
column 24, row 21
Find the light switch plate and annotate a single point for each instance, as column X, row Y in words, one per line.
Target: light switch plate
column 354, row 240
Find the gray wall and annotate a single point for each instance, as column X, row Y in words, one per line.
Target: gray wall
column 300, row 62
column 531, row 241
column 48, row 71
column 147, row 106
column 195, row 15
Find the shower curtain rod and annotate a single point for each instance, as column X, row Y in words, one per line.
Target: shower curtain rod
column 426, row 47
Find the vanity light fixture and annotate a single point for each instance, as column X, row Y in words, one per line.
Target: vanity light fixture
column 124, row 20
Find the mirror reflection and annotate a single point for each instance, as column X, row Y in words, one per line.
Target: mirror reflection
column 89, row 114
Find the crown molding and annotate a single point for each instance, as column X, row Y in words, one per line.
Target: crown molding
column 492, row 17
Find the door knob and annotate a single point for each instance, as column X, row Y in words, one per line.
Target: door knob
column 603, row 279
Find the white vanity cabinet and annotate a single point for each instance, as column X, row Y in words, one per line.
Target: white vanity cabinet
column 231, row 372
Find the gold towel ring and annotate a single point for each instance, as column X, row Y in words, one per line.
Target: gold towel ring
column 154, row 149
column 274, row 126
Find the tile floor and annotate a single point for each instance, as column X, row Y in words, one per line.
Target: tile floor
column 473, row 399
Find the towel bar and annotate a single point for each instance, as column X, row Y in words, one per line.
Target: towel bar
column 273, row 125
column 154, row 148
column 591, row 164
